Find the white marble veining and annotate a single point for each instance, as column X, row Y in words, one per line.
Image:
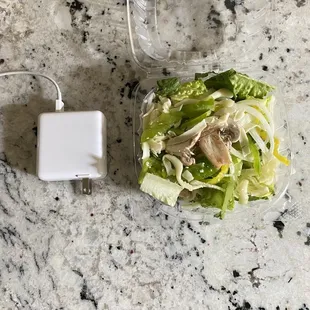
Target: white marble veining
column 62, row 250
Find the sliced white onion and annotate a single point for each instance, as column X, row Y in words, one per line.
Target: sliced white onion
column 222, row 93
column 187, row 176
column 244, row 143
column 157, row 144
column 224, row 118
column 146, row 117
column 261, row 104
column 238, row 116
column 185, row 102
column 166, row 104
column 232, row 168
column 229, row 110
column 242, row 189
column 263, row 121
column 199, row 184
column 178, row 173
column 239, row 155
column 149, row 101
column 145, row 150
column 249, row 127
column 225, row 103
column 259, row 141
column 167, row 164
column 189, row 134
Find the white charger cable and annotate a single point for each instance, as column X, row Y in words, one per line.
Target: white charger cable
column 70, row 145
column 59, row 106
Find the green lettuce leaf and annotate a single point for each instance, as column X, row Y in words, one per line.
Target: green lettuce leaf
column 240, row 84
column 167, row 87
column 161, row 125
column 161, row 189
column 191, row 89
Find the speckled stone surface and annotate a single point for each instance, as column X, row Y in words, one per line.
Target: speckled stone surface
column 62, row 250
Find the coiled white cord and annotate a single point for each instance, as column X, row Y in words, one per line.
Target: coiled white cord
column 59, row 107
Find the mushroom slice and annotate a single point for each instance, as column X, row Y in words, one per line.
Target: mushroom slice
column 230, row 133
column 181, row 145
column 216, row 139
column 215, row 149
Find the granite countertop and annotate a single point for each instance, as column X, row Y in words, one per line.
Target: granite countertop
column 111, row 250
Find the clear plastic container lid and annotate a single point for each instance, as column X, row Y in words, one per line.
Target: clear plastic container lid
column 180, row 34
column 181, row 37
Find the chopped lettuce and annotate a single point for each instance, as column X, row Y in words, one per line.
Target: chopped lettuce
column 240, row 84
column 191, row 89
column 181, row 118
column 161, row 189
column 167, row 87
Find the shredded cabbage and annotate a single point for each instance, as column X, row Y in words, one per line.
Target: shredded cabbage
column 178, row 173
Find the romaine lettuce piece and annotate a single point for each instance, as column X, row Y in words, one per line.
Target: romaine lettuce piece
column 161, row 189
column 191, row 89
column 240, row 84
column 167, row 87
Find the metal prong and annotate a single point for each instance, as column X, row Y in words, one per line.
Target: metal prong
column 86, row 186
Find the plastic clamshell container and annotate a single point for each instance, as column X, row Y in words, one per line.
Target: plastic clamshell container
column 179, row 38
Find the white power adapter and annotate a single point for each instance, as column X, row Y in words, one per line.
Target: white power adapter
column 71, row 145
